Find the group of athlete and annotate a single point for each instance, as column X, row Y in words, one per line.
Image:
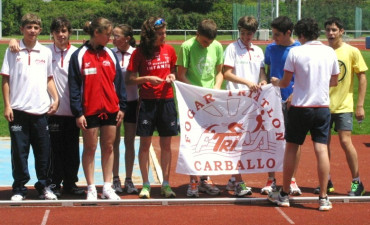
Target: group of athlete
column 51, row 93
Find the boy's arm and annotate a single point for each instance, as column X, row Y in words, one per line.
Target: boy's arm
column 263, row 78
column 8, row 111
column 219, row 77
column 54, row 95
column 284, row 82
column 230, row 76
column 362, row 85
column 181, row 74
column 14, row 45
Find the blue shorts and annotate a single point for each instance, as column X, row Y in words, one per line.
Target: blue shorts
column 103, row 119
column 341, row 121
column 302, row 120
column 131, row 112
column 159, row 114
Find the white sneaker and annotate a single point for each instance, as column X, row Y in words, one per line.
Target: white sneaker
column 92, row 195
column 109, row 193
column 270, row 187
column 17, row 197
column 49, row 194
column 294, row 189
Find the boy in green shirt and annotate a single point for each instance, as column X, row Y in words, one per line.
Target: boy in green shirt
column 200, row 63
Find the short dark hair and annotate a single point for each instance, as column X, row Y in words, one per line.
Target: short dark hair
column 207, row 28
column 308, row 28
column 334, row 20
column 249, row 23
column 282, row 24
column 30, row 18
column 59, row 23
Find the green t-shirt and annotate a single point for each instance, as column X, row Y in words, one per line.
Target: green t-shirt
column 200, row 62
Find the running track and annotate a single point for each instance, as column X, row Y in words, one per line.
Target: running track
column 224, row 209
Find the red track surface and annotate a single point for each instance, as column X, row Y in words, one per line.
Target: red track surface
column 342, row 213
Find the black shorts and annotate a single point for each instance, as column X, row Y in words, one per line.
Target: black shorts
column 159, row 114
column 102, row 119
column 131, row 112
column 301, row 120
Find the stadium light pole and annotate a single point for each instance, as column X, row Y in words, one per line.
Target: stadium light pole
column 1, row 19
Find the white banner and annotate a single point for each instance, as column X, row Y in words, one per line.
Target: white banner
column 229, row 132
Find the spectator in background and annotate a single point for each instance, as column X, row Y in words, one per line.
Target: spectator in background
column 123, row 39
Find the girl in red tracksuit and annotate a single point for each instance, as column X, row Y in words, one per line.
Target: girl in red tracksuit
column 98, row 101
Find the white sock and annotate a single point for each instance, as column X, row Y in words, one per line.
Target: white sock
column 91, row 187
column 107, row 185
column 232, row 179
column 356, row 179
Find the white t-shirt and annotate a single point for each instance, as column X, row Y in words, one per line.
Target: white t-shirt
column 124, row 59
column 313, row 65
column 28, row 73
column 245, row 64
column 60, row 70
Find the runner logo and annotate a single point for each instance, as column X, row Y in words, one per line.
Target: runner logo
column 16, row 128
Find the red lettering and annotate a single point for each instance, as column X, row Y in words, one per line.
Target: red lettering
column 228, row 165
column 241, row 93
column 217, row 165
column 191, row 114
column 239, row 165
column 207, row 167
column 279, row 136
column 259, row 164
column 269, row 112
column 270, row 163
column 196, row 163
column 187, row 126
column 264, row 102
column 276, row 123
column 208, row 98
column 249, row 165
column 198, row 105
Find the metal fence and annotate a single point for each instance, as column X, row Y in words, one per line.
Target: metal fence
column 261, row 34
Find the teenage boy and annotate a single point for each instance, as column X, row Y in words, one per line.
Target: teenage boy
column 27, row 87
column 275, row 56
column 316, row 68
column 200, row 63
column 341, row 99
column 244, row 69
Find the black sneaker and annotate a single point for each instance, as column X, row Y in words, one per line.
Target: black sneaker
column 330, row 188
column 357, row 189
column 74, row 190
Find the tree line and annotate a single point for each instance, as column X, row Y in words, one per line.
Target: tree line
column 179, row 14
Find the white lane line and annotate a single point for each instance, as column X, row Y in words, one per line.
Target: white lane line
column 284, row 215
column 45, row 219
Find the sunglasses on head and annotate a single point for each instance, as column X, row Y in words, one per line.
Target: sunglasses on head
column 159, row 22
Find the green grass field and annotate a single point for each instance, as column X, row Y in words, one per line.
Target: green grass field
column 364, row 129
